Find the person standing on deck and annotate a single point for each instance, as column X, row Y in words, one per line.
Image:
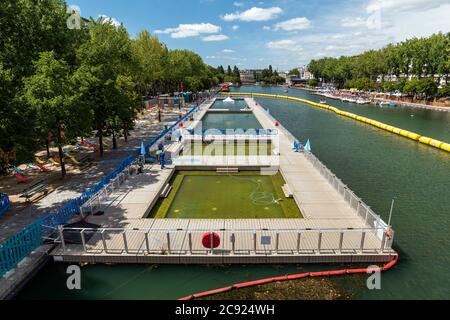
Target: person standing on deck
column 162, row 160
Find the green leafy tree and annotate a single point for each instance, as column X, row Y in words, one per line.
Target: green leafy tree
column 104, row 57
column 49, row 91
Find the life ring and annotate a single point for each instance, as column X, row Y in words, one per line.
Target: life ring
column 211, row 240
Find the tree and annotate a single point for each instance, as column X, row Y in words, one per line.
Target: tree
column 151, row 58
column 29, row 28
column 220, row 70
column 427, row 87
column 49, row 91
column 294, row 72
column 104, row 57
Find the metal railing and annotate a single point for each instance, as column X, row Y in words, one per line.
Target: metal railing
column 4, row 203
column 234, row 241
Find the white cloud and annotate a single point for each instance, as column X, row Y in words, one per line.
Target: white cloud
column 235, row 27
column 215, row 37
column 110, row 20
column 228, row 51
column 349, row 22
column 266, row 28
column 293, row 24
column 254, row 14
column 190, row 30
column 404, row 5
column 238, row 4
column 286, row 44
column 210, row 57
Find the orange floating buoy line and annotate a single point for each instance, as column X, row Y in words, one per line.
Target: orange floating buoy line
column 253, row 283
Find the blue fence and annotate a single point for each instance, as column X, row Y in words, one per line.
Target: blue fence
column 13, row 250
column 4, row 203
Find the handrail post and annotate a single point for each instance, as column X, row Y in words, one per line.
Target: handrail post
column 125, row 242
column 147, row 244
column 190, row 242
column 233, row 243
column 61, row 236
column 341, row 242
column 383, row 242
column 254, row 241
column 299, row 238
column 83, row 240
column 105, row 248
column 363, row 240
column 319, row 245
column 277, row 242
column 168, row 242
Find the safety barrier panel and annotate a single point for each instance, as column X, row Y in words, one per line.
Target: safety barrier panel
column 404, row 133
column 262, row 242
column 4, row 203
column 14, row 249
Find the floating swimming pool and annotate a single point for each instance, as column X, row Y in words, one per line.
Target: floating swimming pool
column 238, row 105
column 230, row 120
column 230, row 148
column 208, row 195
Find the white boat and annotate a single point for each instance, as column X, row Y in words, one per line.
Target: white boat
column 362, row 101
column 323, row 101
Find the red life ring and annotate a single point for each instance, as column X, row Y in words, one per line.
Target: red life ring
column 211, row 240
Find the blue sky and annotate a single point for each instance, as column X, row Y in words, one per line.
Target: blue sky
column 284, row 33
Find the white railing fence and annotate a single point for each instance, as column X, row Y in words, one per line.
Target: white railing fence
column 245, row 242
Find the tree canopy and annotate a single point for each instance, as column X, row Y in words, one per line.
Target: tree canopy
column 65, row 83
column 419, row 57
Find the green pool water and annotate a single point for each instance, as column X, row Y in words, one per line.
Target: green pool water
column 207, row 195
column 230, row 120
column 238, row 104
column 228, row 148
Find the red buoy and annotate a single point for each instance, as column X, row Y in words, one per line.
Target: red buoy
column 277, row 124
column 211, row 240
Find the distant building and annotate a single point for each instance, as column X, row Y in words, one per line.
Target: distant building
column 247, row 77
column 293, row 80
column 305, row 74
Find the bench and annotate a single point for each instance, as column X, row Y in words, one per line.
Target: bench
column 39, row 187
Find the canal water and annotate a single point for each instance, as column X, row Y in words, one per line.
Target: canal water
column 376, row 164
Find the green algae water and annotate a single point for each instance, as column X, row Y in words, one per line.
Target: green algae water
column 374, row 163
column 206, row 195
